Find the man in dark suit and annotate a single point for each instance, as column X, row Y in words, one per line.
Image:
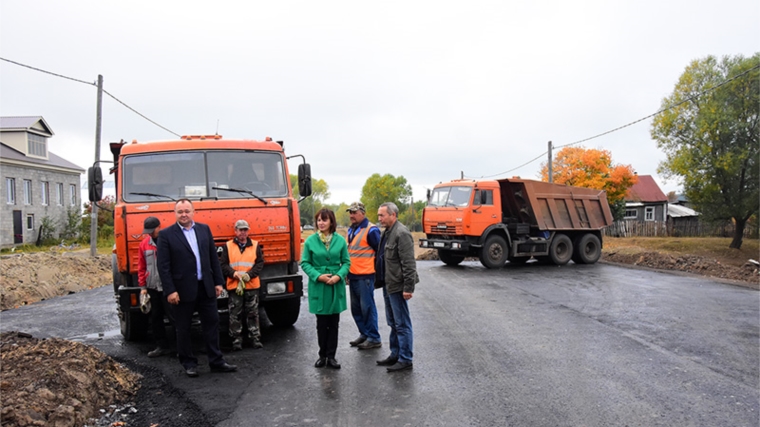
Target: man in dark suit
column 192, row 280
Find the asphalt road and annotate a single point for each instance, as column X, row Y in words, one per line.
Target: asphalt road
column 532, row 345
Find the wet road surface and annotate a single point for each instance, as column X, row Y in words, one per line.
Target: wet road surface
column 531, row 345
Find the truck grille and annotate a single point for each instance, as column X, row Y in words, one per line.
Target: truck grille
column 444, row 229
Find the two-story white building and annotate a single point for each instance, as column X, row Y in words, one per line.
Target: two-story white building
column 35, row 182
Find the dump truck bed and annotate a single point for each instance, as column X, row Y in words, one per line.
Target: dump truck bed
column 554, row 207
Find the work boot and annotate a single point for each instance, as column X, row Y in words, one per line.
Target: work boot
column 237, row 344
column 257, row 344
column 358, row 341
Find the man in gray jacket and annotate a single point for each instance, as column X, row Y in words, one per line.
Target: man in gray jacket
column 396, row 272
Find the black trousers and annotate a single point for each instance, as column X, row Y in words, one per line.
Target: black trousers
column 327, row 334
column 158, row 308
column 209, row 316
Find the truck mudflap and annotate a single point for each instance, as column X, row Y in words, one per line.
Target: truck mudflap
column 449, row 245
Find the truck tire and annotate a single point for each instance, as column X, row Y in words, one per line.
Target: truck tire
column 494, row 252
column 283, row 313
column 588, row 249
column 117, row 277
column 134, row 326
column 561, row 250
column 450, row 258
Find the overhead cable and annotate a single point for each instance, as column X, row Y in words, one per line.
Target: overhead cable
column 91, row 84
column 697, row 95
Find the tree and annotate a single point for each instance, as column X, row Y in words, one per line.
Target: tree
column 412, row 217
column 309, row 206
column 711, row 139
column 386, row 188
column 593, row 168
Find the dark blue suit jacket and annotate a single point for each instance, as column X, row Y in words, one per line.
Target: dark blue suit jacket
column 176, row 262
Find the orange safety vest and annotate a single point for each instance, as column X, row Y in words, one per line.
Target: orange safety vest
column 361, row 253
column 242, row 262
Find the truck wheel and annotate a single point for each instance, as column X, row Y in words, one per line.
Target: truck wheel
column 283, row 313
column 561, row 250
column 134, row 326
column 117, row 277
column 450, row 258
column 494, row 252
column 588, row 249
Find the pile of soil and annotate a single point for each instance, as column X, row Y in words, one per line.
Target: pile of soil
column 58, row 383
column 31, row 277
column 747, row 273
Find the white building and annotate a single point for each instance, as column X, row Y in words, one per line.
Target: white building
column 36, row 183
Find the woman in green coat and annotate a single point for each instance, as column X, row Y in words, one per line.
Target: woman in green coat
column 325, row 260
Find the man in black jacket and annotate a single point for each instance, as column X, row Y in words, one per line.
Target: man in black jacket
column 192, row 280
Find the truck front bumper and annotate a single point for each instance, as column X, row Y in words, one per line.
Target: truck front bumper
column 449, row 245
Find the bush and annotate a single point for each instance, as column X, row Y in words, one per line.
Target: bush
column 47, row 232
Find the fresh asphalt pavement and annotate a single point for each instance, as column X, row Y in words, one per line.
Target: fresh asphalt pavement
column 532, row 345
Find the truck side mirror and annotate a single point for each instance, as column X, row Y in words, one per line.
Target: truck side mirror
column 483, row 197
column 304, row 180
column 427, row 195
column 95, row 184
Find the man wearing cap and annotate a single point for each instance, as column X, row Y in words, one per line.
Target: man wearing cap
column 363, row 241
column 242, row 261
column 150, row 282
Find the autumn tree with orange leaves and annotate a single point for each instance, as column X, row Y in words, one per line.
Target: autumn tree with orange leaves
column 592, row 168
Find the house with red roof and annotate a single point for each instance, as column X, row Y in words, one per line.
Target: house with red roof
column 645, row 201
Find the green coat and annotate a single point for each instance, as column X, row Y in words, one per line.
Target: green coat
column 317, row 260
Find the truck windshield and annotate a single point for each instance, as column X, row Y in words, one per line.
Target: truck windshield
column 450, row 196
column 222, row 174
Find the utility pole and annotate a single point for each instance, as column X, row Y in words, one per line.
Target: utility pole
column 549, row 163
column 94, row 206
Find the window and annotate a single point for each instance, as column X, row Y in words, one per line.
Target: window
column 27, row 192
column 631, row 214
column 37, row 145
column 30, row 222
column 451, row 196
column 59, row 193
column 72, row 195
column 10, row 190
column 649, row 213
column 488, row 195
column 45, row 193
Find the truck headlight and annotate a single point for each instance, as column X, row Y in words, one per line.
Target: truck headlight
column 424, row 244
column 276, row 288
column 456, row 246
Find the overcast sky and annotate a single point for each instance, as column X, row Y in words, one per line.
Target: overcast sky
column 423, row 89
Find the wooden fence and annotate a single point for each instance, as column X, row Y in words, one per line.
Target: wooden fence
column 633, row 228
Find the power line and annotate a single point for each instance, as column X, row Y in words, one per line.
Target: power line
column 697, row 95
column 140, row 114
column 91, row 84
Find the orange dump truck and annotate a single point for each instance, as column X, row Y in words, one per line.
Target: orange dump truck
column 226, row 180
column 515, row 219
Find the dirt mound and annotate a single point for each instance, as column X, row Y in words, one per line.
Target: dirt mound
column 688, row 263
column 59, row 383
column 32, row 277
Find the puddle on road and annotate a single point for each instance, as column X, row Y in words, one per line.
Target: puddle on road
column 96, row 336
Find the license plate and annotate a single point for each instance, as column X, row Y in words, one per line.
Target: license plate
column 438, row 244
